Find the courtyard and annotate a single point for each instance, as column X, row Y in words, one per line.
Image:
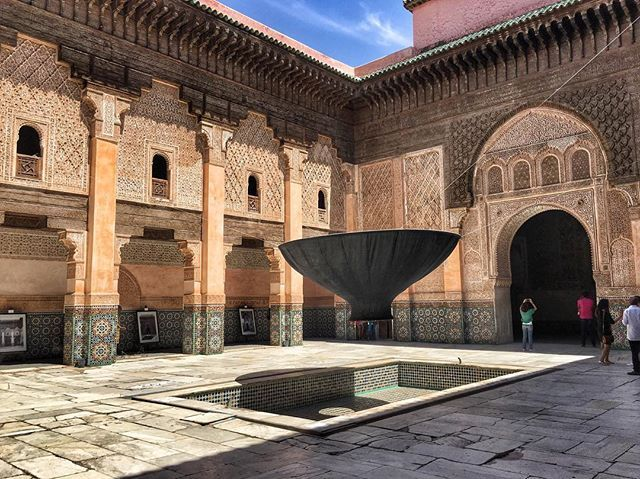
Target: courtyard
column 578, row 421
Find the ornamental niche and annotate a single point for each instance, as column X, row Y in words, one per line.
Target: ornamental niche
column 323, row 171
column 159, row 125
column 544, row 159
column 37, row 91
column 253, row 151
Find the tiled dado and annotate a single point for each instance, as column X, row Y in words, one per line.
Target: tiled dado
column 233, row 333
column 203, row 329
column 479, row 323
column 286, row 325
column 90, row 335
column 45, row 337
column 618, row 329
column 169, row 332
column 437, row 322
column 319, row 323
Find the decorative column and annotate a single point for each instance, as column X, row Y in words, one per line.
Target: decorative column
column 344, row 328
column 75, row 332
column 91, row 321
column 204, row 296
column 286, row 296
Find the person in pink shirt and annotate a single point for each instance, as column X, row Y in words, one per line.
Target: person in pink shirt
column 586, row 307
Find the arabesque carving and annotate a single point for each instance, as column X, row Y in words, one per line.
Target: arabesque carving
column 376, row 187
column 323, row 169
column 253, row 149
column 37, row 90
column 160, row 120
column 423, row 190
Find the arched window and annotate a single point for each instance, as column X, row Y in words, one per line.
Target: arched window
column 580, row 168
column 29, row 153
column 322, row 207
column 253, row 194
column 160, row 176
column 494, row 180
column 550, row 171
column 322, row 204
column 521, row 176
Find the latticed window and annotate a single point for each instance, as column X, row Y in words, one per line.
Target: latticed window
column 29, row 153
column 322, row 207
column 521, row 176
column 253, row 194
column 550, row 170
column 580, row 168
column 160, row 177
column 494, row 180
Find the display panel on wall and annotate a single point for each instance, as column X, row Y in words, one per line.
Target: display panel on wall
column 247, row 322
column 148, row 326
column 13, row 332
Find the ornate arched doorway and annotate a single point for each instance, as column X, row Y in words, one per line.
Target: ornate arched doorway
column 550, row 259
column 542, row 160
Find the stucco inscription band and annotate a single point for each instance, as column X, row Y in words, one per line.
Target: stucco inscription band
column 370, row 268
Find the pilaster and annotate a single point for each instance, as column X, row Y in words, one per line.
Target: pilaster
column 91, row 302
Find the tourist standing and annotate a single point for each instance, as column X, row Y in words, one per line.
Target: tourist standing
column 586, row 305
column 631, row 319
column 605, row 321
column 527, row 310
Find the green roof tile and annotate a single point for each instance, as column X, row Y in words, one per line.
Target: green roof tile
column 485, row 32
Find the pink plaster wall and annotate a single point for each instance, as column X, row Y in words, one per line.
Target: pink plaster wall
column 161, row 287
column 245, row 283
column 315, row 295
column 438, row 21
column 385, row 61
column 22, row 277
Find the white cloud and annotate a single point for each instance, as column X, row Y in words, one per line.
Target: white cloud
column 372, row 28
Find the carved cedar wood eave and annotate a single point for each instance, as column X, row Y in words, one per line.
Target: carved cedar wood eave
column 224, row 71
column 574, row 32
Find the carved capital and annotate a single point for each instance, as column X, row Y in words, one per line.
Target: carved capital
column 293, row 158
column 190, row 251
column 121, row 241
column 74, row 242
column 349, row 177
column 276, row 261
column 105, row 110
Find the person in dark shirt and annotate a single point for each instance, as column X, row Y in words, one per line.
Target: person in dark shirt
column 605, row 321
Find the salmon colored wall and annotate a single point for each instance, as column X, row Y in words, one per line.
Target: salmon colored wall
column 32, row 285
column 241, row 284
column 161, row 286
column 438, row 21
column 315, row 295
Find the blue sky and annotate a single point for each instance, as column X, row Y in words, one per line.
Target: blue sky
column 352, row 31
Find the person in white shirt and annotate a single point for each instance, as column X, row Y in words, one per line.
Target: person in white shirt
column 631, row 319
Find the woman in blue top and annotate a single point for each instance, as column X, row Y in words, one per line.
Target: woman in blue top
column 527, row 309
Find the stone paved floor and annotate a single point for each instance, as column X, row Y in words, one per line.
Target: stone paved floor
column 581, row 421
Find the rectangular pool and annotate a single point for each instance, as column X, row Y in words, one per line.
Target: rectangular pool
column 326, row 399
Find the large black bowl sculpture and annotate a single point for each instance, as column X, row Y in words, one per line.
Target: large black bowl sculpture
column 370, row 268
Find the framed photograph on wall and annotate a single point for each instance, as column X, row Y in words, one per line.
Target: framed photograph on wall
column 13, row 332
column 247, row 322
column 148, row 326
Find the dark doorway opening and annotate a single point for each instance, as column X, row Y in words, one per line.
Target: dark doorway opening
column 551, row 263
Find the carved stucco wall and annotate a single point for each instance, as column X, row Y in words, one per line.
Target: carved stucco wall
column 323, row 169
column 607, row 106
column 423, row 208
column 253, row 150
column 37, row 90
column 531, row 138
column 377, row 193
column 159, row 122
column 423, row 190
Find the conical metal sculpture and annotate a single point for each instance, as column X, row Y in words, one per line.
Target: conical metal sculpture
column 370, row 268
